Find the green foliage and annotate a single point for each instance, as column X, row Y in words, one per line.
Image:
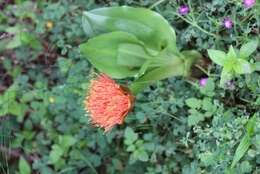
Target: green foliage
column 24, row 167
column 148, row 26
column 176, row 125
column 245, row 141
column 234, row 63
column 138, row 43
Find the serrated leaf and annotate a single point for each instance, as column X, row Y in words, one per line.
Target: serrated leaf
column 55, row 154
column 193, row 103
column 195, row 119
column 217, row 56
column 130, row 136
column 247, row 49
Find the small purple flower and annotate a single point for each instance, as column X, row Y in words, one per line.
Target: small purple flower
column 203, row 82
column 249, row 3
column 228, row 23
column 184, row 9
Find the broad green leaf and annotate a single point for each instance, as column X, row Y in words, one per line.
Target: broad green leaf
column 217, row 56
column 247, row 49
column 148, row 26
column 24, row 167
column 155, row 75
column 132, row 55
column 242, row 66
column 163, row 72
column 231, row 53
column 102, row 52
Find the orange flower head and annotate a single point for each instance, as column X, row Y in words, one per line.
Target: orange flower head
column 107, row 102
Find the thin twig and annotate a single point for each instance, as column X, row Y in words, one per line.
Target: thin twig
column 194, row 24
column 156, row 4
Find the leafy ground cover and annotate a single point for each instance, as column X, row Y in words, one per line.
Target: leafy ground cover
column 179, row 125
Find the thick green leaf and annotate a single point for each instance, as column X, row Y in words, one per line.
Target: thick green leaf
column 217, row 56
column 132, row 55
column 24, row 167
column 163, row 72
column 247, row 49
column 102, row 52
column 146, row 25
column 155, row 75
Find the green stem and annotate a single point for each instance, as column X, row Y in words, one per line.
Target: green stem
column 156, row 4
column 202, row 69
column 194, row 24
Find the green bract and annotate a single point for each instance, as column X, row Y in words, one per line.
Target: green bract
column 133, row 42
column 234, row 62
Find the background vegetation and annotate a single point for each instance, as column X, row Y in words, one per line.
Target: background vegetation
column 176, row 127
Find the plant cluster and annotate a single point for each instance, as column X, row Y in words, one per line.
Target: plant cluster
column 205, row 123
